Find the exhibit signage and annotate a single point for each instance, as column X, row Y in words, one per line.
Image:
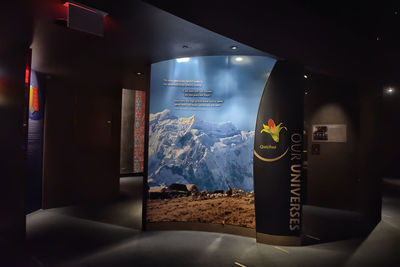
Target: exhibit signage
column 278, row 152
column 329, row 133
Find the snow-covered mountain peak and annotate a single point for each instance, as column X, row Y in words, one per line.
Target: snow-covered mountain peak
column 163, row 115
column 190, row 150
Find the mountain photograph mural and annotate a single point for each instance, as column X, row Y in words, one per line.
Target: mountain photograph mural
column 201, row 138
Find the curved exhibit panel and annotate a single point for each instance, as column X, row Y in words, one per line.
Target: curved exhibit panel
column 203, row 114
column 278, row 150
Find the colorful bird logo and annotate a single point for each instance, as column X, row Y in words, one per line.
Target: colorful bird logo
column 273, row 130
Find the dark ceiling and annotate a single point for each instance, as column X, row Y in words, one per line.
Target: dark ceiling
column 136, row 34
column 336, row 38
column 333, row 37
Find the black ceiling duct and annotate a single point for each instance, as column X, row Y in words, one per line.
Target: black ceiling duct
column 84, row 18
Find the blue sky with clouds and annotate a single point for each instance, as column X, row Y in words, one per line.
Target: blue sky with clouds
column 237, row 80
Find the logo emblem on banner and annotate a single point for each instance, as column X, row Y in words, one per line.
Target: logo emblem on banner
column 273, row 130
column 276, row 150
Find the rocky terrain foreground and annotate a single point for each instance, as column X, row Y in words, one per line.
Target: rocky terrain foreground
column 233, row 208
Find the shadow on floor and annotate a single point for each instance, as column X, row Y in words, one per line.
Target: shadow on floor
column 126, row 211
column 327, row 225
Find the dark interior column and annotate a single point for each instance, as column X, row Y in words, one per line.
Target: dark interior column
column 15, row 34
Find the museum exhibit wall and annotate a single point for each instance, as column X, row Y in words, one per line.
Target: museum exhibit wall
column 340, row 175
column 343, row 174
column 82, row 111
column 210, row 119
column 201, row 136
column 13, row 51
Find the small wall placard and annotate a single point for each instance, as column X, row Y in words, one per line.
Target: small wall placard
column 329, row 133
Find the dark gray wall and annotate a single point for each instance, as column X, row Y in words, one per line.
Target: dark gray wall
column 332, row 175
column 81, row 151
column 344, row 175
column 390, row 139
column 12, row 156
column 83, row 111
column 371, row 155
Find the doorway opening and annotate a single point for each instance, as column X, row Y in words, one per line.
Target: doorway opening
column 132, row 150
column 132, row 133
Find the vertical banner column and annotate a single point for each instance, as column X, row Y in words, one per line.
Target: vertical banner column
column 35, row 141
column 138, row 132
column 278, row 156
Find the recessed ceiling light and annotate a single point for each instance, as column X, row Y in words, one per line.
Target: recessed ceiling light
column 238, row 59
column 138, row 73
column 305, row 76
column 183, row 59
column 234, row 47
